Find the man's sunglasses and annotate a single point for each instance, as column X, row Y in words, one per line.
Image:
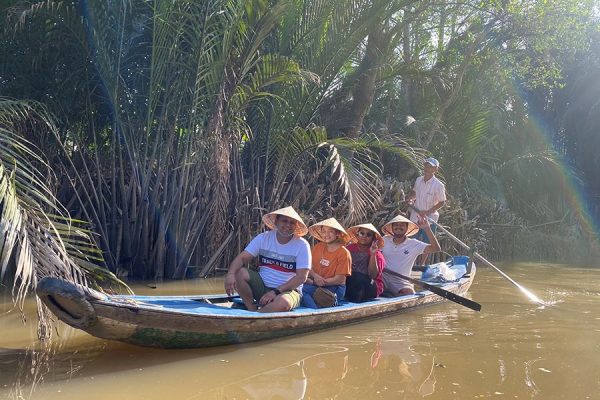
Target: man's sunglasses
column 363, row 234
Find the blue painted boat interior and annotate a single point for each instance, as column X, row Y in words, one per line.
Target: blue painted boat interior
column 209, row 305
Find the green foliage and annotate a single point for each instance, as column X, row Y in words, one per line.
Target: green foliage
column 180, row 123
column 40, row 238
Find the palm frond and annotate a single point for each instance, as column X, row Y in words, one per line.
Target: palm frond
column 35, row 226
column 358, row 171
column 351, row 169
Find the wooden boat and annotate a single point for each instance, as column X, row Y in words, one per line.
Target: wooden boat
column 203, row 321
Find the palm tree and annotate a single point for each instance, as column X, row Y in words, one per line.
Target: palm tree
column 188, row 106
column 40, row 238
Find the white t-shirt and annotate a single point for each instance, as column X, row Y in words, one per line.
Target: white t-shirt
column 278, row 262
column 400, row 258
column 428, row 195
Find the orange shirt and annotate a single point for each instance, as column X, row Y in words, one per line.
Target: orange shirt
column 329, row 264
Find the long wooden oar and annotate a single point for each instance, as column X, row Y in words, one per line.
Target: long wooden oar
column 439, row 291
column 528, row 293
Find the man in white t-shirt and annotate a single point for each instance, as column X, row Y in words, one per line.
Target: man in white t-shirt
column 284, row 260
column 427, row 196
column 400, row 252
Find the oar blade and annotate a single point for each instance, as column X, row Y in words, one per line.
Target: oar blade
column 439, row 291
column 448, row 295
column 452, row 297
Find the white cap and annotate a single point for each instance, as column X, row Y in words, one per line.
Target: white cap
column 433, row 162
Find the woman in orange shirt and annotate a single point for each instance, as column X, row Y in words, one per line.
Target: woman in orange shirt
column 331, row 261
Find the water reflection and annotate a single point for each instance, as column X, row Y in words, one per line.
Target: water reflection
column 286, row 383
column 513, row 349
column 385, row 363
column 376, row 365
column 22, row 370
column 319, row 376
column 402, row 369
column 392, row 368
column 342, row 373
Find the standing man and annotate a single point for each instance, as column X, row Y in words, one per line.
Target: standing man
column 400, row 252
column 283, row 263
column 428, row 196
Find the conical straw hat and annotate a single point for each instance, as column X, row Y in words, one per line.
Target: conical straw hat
column 315, row 230
column 269, row 220
column 410, row 231
column 353, row 232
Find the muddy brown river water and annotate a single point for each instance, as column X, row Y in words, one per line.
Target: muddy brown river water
column 512, row 349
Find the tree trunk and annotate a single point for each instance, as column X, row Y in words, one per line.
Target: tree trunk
column 407, row 87
column 219, row 163
column 364, row 88
column 441, row 31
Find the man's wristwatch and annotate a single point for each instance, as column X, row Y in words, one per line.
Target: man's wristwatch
column 277, row 291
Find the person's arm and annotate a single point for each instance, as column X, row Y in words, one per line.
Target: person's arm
column 303, row 264
column 335, row 280
column 341, row 266
column 412, row 195
column 373, row 268
column 313, row 278
column 440, row 196
column 433, row 245
column 238, row 263
column 310, row 278
column 291, row 284
column 433, row 209
column 296, row 280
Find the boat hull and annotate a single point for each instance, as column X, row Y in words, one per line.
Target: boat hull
column 192, row 321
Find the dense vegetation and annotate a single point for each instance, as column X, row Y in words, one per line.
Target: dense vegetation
column 171, row 126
